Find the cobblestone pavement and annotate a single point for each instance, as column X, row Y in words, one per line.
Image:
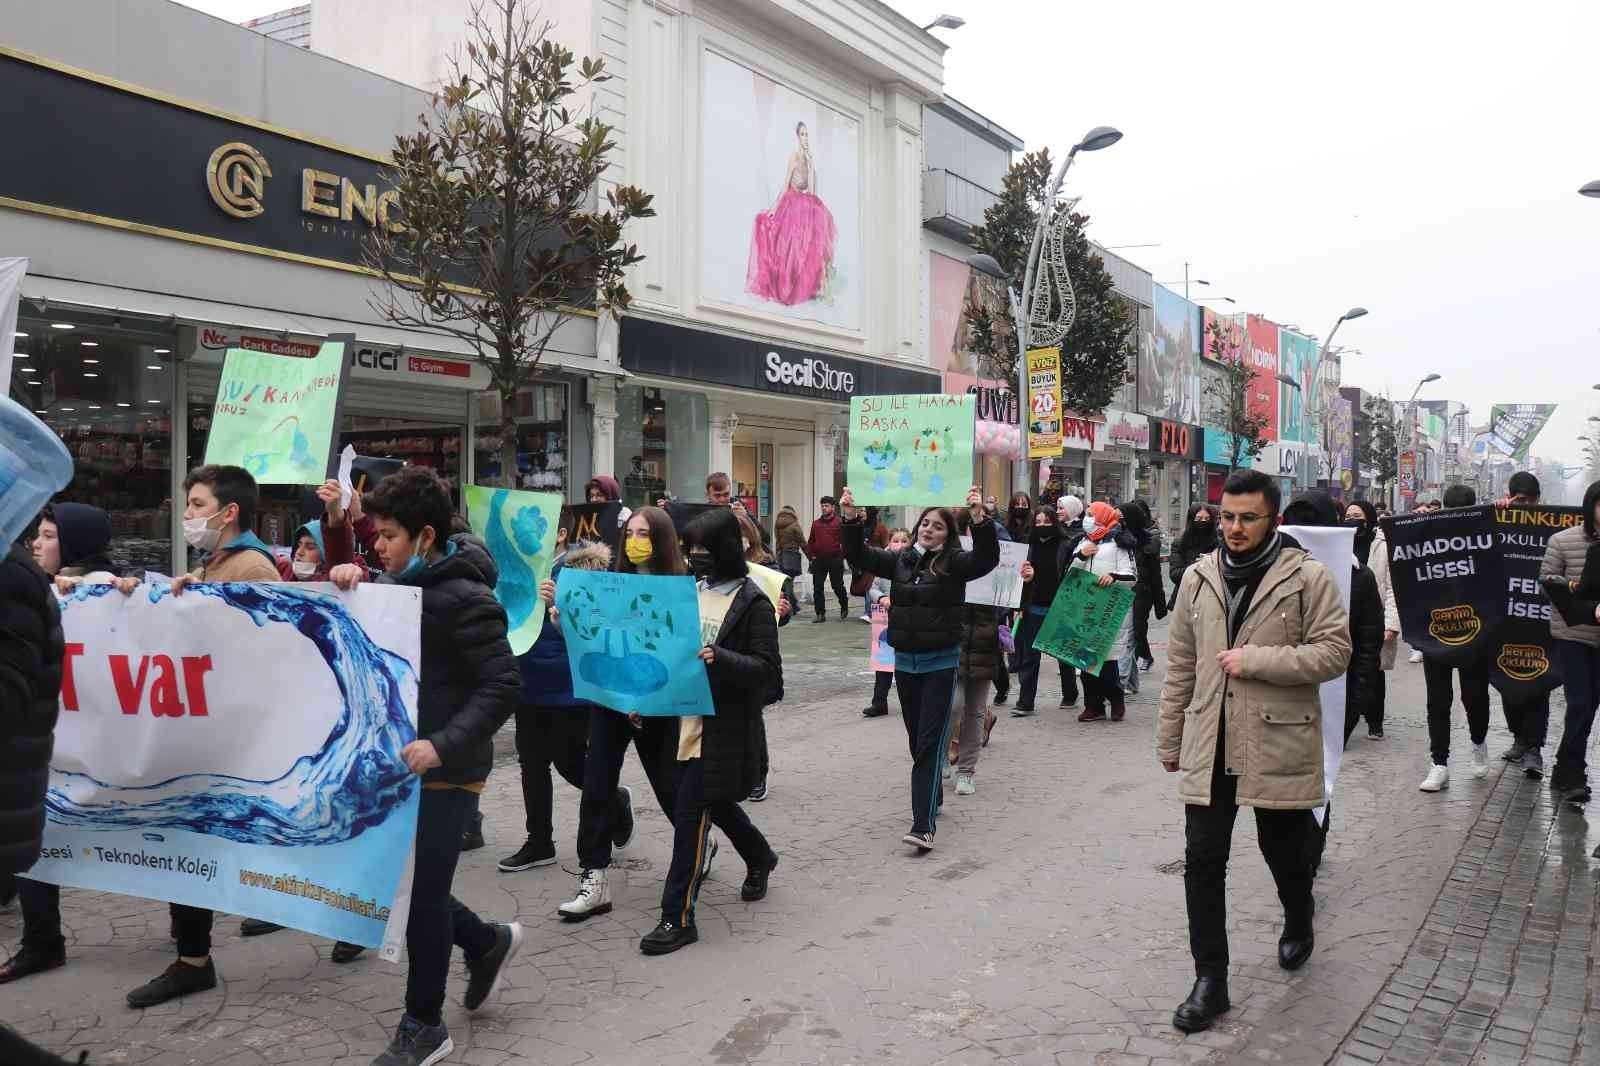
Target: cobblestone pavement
column 1047, row 927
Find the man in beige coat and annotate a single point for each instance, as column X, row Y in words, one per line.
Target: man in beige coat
column 1257, row 626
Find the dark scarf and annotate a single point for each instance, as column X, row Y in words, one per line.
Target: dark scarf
column 1242, row 574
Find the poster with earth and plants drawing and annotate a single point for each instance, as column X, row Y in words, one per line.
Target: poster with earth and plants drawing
column 911, row 449
column 633, row 641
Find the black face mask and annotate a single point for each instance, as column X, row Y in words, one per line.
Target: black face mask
column 700, row 565
column 1355, row 523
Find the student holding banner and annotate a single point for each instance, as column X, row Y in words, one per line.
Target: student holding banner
column 1110, row 553
column 929, row 588
column 1577, row 649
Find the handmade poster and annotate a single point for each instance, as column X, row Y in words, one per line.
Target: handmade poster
column 1522, row 666
column 239, row 748
column 1084, row 620
column 1002, row 586
column 275, row 414
column 1044, row 403
column 596, row 523
column 1334, row 548
column 520, row 530
column 770, row 580
column 880, row 654
column 1448, row 581
column 633, row 641
column 911, row 449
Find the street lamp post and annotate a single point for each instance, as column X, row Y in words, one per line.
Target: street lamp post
column 1411, row 435
column 1022, row 303
column 1310, row 405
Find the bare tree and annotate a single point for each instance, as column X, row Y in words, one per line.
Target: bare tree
column 1229, row 390
column 500, row 234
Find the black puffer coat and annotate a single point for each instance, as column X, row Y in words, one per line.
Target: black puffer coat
column 925, row 607
column 746, row 667
column 980, row 642
column 1366, row 648
column 470, row 681
column 1185, row 553
column 31, row 653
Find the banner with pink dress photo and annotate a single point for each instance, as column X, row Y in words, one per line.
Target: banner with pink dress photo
column 780, row 216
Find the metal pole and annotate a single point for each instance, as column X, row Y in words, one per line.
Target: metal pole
column 1024, row 307
column 1316, row 393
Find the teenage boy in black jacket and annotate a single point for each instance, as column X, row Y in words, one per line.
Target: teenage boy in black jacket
column 470, row 685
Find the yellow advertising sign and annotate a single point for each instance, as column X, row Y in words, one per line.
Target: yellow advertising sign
column 1044, row 403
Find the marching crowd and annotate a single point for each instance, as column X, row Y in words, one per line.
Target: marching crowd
column 1257, row 626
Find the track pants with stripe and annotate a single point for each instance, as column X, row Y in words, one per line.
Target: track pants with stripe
column 692, row 819
column 925, row 700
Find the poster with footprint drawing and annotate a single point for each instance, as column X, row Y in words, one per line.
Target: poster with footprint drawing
column 520, row 529
column 633, row 641
column 911, row 449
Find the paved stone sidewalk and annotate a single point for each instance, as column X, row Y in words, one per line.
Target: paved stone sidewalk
column 1047, row 927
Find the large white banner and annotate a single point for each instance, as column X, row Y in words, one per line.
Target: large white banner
column 11, row 271
column 1334, row 548
column 238, row 748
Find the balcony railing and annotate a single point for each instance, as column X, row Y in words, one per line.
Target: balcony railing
column 952, row 205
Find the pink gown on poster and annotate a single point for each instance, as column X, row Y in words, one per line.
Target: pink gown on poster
column 791, row 248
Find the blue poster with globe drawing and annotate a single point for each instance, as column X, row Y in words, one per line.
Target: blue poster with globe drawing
column 910, row 449
column 633, row 641
column 520, row 530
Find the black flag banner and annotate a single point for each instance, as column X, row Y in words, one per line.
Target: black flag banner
column 1522, row 667
column 1448, row 581
column 596, row 523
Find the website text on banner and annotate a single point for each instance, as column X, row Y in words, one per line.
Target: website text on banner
column 238, row 748
column 276, row 415
column 1522, row 666
column 633, row 641
column 520, row 529
column 1044, row 403
column 1448, row 581
column 913, row 449
column 1084, row 620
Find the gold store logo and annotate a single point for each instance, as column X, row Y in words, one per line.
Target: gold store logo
column 236, row 175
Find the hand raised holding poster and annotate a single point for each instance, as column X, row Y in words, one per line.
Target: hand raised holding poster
column 276, row 415
column 520, row 530
column 912, row 449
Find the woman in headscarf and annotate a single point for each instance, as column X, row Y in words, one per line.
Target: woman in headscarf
column 1199, row 538
column 1017, row 516
column 1363, row 518
column 1109, row 556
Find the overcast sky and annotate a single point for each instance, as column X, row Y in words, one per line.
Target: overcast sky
column 1420, row 160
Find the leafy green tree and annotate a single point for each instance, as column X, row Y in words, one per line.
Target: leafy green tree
column 502, row 227
column 1380, row 447
column 1097, row 348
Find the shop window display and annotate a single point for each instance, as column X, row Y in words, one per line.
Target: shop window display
column 663, row 442
column 543, row 443
column 106, row 387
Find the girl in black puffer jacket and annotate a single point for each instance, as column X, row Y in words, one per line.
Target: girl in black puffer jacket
column 928, row 589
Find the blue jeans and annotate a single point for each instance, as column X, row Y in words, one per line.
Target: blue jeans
column 1580, row 666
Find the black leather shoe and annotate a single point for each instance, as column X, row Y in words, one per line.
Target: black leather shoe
column 668, row 937
column 755, row 880
column 1293, row 953
column 179, row 979
column 257, row 927
column 1207, row 1002
column 874, row 711
column 346, row 952
column 27, row 962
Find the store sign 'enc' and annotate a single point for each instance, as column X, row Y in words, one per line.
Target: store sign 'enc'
column 236, row 177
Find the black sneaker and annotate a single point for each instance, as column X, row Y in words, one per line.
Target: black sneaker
column 1001, row 697
column 415, row 1044
column 844, row 614
column 179, row 979
column 1019, row 711
column 483, row 975
column 874, row 711
column 1068, row 702
column 1374, row 733
column 668, row 937
column 759, row 793
column 622, row 831
column 920, row 841
column 819, row 619
column 755, row 880
column 472, row 838
column 346, row 952
column 27, row 962
column 1515, row 752
column 257, row 927
column 527, row 857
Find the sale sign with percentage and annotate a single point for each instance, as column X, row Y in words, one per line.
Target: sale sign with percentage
column 1044, row 403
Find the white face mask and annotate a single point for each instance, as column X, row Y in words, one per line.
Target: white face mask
column 200, row 535
column 303, row 568
column 1089, row 524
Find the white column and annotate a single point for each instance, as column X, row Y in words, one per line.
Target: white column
column 823, row 458
column 900, row 203
column 724, row 423
column 603, row 416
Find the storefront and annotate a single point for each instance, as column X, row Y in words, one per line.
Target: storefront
column 1171, row 477
column 1069, row 473
column 1281, row 460
column 229, row 231
column 1115, row 477
column 772, row 416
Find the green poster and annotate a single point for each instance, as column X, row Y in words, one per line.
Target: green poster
column 520, row 529
column 275, row 414
column 913, row 449
column 1083, row 621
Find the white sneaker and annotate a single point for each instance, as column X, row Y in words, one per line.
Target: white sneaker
column 965, row 785
column 1480, row 760
column 1438, row 778
column 1415, row 657
column 594, row 897
column 946, row 770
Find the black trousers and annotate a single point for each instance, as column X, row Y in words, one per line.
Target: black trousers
column 880, row 688
column 1208, row 839
column 546, row 737
column 925, row 701
column 1580, row 666
column 1529, row 721
column 830, row 570
column 438, row 921
column 610, row 734
column 1142, row 606
column 1029, row 663
column 692, row 819
column 1107, row 688
column 1474, row 697
column 1373, row 713
column 41, row 917
column 191, row 927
